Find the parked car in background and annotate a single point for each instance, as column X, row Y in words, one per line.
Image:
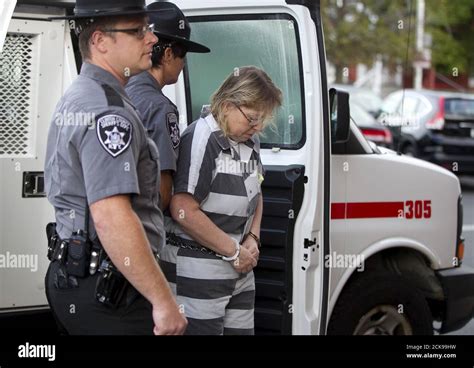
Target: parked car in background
column 436, row 126
column 372, row 129
column 364, row 97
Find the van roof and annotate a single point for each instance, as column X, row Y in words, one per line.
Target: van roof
column 58, row 3
column 208, row 4
column 184, row 4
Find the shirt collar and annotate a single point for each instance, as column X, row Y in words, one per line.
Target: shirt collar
column 252, row 142
column 222, row 139
column 103, row 77
column 146, row 78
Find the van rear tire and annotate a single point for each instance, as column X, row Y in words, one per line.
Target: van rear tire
column 381, row 304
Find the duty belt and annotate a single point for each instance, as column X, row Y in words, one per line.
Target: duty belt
column 177, row 241
column 58, row 249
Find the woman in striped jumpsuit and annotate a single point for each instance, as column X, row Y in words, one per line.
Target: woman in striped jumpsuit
column 212, row 245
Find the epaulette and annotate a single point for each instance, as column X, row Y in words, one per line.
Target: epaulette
column 113, row 97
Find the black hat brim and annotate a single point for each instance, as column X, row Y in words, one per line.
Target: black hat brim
column 106, row 14
column 191, row 46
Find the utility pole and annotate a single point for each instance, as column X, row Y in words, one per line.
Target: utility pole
column 420, row 34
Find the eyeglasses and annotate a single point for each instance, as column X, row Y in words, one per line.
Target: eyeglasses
column 139, row 32
column 178, row 50
column 252, row 121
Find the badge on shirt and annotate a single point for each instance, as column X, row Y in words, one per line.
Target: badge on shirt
column 173, row 128
column 114, row 133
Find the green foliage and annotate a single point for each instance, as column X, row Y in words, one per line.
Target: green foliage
column 448, row 53
column 357, row 31
column 451, row 24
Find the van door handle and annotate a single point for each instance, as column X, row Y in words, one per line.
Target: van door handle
column 33, row 184
column 309, row 243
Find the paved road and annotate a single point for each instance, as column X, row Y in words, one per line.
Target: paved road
column 467, row 184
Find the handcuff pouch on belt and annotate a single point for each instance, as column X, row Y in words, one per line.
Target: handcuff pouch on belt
column 57, row 248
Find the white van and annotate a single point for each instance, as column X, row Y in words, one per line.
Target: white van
column 356, row 239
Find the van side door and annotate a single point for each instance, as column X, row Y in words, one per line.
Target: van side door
column 280, row 39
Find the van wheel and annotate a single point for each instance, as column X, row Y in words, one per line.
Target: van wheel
column 381, row 304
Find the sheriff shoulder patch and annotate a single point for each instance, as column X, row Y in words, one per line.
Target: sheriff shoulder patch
column 114, row 133
column 173, row 129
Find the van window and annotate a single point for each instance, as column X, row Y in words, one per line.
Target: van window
column 269, row 42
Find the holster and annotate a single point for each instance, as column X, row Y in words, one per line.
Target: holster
column 111, row 285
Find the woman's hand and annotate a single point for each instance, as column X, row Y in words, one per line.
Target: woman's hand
column 246, row 261
column 252, row 246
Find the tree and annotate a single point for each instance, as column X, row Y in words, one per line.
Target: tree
column 357, row 31
column 451, row 24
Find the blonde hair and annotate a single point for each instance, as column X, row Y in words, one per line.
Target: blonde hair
column 250, row 87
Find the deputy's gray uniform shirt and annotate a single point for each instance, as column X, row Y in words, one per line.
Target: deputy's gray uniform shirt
column 159, row 116
column 97, row 148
